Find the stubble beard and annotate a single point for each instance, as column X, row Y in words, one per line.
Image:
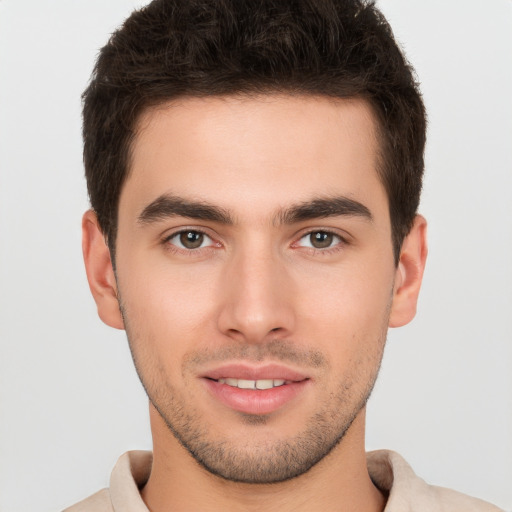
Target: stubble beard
column 265, row 462
column 259, row 462
column 270, row 461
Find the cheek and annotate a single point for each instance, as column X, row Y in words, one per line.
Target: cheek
column 167, row 305
column 347, row 294
column 347, row 310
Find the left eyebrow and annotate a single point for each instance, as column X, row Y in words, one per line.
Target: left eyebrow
column 322, row 208
column 167, row 206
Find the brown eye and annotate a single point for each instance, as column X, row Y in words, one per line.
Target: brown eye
column 321, row 239
column 190, row 240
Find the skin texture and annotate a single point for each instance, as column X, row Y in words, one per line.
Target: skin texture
column 256, row 292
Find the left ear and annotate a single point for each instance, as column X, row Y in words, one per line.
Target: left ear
column 100, row 272
column 409, row 274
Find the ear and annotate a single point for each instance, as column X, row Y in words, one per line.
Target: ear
column 409, row 274
column 100, row 272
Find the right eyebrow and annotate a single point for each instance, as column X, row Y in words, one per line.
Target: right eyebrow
column 323, row 207
column 167, row 206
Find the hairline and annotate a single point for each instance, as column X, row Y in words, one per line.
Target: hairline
column 146, row 108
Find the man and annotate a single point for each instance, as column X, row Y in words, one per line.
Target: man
column 254, row 170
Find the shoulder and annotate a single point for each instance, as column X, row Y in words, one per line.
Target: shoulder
column 98, row 502
column 452, row 501
column 407, row 492
column 130, row 474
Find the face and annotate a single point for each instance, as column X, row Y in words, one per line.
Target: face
column 255, row 273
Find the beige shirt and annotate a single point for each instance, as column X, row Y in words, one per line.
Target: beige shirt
column 388, row 470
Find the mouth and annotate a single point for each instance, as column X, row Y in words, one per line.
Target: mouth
column 255, row 390
column 254, row 384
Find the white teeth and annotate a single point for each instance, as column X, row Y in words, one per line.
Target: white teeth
column 246, row 384
column 264, row 384
column 253, row 384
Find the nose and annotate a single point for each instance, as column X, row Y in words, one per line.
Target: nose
column 257, row 297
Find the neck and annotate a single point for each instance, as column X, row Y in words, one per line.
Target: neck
column 338, row 482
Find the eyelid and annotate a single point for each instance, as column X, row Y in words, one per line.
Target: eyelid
column 168, row 236
column 344, row 238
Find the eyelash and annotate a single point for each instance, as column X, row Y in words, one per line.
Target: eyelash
column 340, row 245
column 166, row 242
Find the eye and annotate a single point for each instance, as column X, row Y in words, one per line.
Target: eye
column 190, row 239
column 320, row 240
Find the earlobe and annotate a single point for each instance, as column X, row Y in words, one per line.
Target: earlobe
column 100, row 273
column 409, row 274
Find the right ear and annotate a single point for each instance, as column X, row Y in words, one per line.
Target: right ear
column 100, row 272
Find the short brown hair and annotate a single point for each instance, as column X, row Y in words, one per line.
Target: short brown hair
column 177, row 48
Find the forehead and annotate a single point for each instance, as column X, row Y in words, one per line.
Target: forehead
column 269, row 150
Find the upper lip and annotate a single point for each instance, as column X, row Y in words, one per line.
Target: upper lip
column 251, row 372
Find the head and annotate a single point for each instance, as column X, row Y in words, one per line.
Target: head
column 200, row 48
column 254, row 169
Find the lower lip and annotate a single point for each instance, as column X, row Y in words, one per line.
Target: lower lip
column 254, row 401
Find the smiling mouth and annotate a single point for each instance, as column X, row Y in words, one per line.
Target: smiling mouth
column 253, row 384
column 255, row 391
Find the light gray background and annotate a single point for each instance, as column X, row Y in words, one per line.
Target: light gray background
column 70, row 400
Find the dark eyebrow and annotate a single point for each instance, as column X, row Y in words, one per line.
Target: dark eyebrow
column 167, row 206
column 324, row 207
